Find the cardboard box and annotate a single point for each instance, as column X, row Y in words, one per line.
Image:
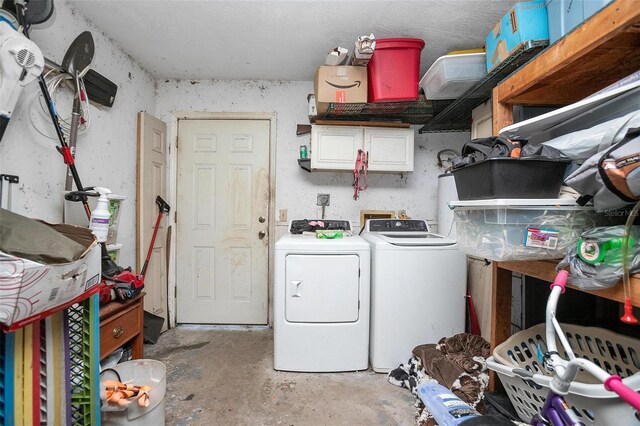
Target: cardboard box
column 363, row 51
column 343, row 84
column 30, row 291
column 526, row 21
column 338, row 56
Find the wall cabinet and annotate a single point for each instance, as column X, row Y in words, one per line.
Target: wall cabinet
column 336, row 148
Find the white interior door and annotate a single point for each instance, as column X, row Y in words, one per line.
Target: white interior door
column 222, row 221
column 152, row 166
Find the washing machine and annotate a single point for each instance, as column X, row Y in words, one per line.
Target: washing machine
column 321, row 301
column 418, row 288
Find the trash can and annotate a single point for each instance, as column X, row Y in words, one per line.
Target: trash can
column 139, row 372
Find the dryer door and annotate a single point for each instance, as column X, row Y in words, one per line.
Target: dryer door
column 322, row 288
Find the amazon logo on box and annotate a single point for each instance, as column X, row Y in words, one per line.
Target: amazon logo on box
column 340, row 84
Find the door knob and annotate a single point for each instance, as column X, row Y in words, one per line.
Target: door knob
column 262, row 234
column 261, row 219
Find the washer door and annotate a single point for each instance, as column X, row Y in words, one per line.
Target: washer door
column 322, row 288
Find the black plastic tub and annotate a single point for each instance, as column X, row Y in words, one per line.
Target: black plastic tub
column 510, row 178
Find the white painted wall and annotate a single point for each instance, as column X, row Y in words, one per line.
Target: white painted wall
column 296, row 189
column 106, row 155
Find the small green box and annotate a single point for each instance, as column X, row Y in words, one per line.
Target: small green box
column 329, row 234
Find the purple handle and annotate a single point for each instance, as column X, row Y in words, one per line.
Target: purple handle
column 614, row 383
column 561, row 280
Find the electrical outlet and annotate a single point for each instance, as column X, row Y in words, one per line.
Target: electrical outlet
column 323, row 200
column 283, row 215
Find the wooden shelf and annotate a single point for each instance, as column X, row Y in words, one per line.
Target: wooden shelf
column 597, row 53
column 601, row 51
column 546, row 270
column 305, row 164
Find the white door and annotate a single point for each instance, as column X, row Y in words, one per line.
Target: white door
column 152, row 165
column 222, row 221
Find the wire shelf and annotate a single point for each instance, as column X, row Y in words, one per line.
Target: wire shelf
column 456, row 117
column 413, row 112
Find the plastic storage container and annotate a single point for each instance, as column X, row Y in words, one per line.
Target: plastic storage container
column 452, row 75
column 525, row 23
column 590, row 401
column 140, row 372
column 565, row 15
column 511, row 229
column 510, row 178
column 394, row 70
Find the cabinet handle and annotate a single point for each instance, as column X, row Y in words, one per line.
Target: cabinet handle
column 117, row 331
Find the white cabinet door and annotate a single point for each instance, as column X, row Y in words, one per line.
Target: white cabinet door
column 390, row 150
column 335, row 147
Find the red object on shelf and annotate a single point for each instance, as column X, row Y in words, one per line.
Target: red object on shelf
column 394, row 69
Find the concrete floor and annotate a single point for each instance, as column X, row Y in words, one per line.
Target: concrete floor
column 226, row 377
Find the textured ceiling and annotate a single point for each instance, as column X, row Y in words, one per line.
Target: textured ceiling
column 278, row 40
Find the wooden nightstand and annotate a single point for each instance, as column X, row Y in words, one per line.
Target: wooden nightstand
column 121, row 323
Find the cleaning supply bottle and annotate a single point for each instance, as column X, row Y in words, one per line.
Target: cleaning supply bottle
column 100, row 216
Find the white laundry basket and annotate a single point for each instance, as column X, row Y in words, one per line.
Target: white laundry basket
column 140, row 372
column 591, row 402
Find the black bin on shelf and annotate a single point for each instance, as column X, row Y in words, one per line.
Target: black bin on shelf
column 510, row 178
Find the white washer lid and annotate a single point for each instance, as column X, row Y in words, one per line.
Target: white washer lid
column 420, row 239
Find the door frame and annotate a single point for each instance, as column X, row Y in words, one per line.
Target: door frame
column 172, row 134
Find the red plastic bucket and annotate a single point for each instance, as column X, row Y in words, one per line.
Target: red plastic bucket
column 394, row 69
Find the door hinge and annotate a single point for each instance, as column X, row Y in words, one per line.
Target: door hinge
column 175, row 217
column 358, row 304
column 177, row 142
column 359, row 272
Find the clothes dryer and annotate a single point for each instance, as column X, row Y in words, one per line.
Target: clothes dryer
column 321, row 301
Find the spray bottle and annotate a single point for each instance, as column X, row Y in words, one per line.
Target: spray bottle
column 100, row 216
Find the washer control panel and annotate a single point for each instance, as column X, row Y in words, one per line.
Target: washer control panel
column 397, row 225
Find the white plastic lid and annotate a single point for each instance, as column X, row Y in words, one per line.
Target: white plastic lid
column 479, row 56
column 522, row 203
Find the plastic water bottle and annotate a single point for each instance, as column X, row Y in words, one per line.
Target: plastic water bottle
column 446, row 408
column 449, row 410
column 100, row 216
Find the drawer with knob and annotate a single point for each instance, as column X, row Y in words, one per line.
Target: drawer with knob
column 120, row 328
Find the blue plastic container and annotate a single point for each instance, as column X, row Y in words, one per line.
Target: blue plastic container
column 564, row 15
column 526, row 21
